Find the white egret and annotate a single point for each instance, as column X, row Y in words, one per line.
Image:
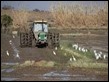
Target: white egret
column 96, row 55
column 65, row 54
column 99, row 54
column 13, row 36
column 105, row 56
column 61, row 48
column 7, row 53
column 54, row 52
column 70, row 59
column 83, row 50
column 74, row 59
column 10, row 41
column 79, row 48
column 55, row 48
column 86, row 50
column 18, row 56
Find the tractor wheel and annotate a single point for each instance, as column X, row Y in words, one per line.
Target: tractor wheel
column 26, row 40
column 55, row 39
column 30, row 38
column 23, row 39
column 49, row 38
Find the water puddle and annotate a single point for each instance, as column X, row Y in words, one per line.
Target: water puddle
column 86, row 78
column 2, row 70
column 55, row 75
column 10, row 64
column 7, row 70
column 61, row 75
column 8, row 79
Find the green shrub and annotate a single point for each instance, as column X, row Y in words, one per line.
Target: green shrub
column 6, row 20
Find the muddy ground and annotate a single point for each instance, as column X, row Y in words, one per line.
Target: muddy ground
column 36, row 73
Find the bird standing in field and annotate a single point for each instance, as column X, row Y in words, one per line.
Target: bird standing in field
column 54, row 52
column 79, row 48
column 13, row 36
column 65, row 54
column 7, row 53
column 55, row 48
column 74, row 59
column 18, row 56
column 10, row 41
column 76, row 46
column 70, row 59
column 86, row 50
column 97, row 55
column 105, row 56
column 83, row 50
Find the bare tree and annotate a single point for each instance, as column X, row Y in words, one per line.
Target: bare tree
column 7, row 7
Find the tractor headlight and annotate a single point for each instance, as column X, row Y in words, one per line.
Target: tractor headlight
column 39, row 37
column 45, row 37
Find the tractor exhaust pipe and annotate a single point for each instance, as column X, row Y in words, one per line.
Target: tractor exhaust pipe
column 42, row 25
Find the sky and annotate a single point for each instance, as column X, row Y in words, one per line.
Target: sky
column 45, row 5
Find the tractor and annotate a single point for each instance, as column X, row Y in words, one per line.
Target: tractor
column 38, row 35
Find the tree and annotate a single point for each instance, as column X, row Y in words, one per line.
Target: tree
column 36, row 10
column 6, row 7
column 6, row 20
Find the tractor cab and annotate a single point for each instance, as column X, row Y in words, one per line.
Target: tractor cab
column 40, row 30
column 40, row 26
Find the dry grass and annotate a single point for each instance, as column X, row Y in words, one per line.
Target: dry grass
column 64, row 16
column 88, row 65
column 79, row 16
column 42, row 63
column 22, row 17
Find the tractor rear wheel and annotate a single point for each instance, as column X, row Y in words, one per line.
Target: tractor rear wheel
column 53, row 40
column 49, row 38
column 26, row 40
column 23, row 39
column 30, row 38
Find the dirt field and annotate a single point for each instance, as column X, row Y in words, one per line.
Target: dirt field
column 9, row 71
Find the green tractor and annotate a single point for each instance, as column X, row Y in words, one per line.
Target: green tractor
column 39, row 35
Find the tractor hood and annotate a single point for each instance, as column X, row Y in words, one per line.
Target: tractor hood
column 42, row 36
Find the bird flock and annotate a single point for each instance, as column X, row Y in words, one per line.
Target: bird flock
column 77, row 47
column 98, row 55
column 72, row 59
column 16, row 52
